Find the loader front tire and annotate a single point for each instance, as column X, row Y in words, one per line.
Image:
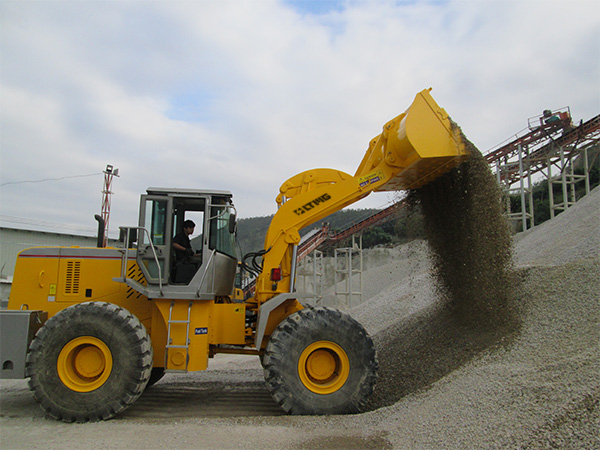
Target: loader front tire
column 320, row 361
column 89, row 362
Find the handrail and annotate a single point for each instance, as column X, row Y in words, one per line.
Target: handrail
column 125, row 258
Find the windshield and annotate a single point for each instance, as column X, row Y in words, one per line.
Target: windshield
column 221, row 239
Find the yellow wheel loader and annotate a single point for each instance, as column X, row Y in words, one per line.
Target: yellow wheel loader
column 93, row 327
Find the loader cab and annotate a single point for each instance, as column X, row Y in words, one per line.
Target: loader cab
column 209, row 268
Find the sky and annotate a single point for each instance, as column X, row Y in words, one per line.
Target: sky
column 241, row 95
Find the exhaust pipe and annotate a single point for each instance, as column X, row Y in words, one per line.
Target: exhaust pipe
column 100, row 241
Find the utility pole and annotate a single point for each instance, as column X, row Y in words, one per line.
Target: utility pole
column 109, row 173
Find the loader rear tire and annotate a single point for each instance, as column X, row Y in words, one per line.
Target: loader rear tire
column 320, row 361
column 89, row 362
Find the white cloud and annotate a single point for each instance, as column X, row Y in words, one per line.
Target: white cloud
column 240, row 95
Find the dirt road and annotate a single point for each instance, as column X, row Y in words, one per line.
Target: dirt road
column 225, row 407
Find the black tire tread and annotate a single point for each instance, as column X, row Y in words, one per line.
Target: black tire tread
column 77, row 407
column 293, row 335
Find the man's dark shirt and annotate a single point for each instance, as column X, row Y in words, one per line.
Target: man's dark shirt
column 183, row 240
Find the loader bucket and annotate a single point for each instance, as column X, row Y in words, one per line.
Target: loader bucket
column 417, row 146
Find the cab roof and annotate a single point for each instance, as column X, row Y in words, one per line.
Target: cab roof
column 186, row 192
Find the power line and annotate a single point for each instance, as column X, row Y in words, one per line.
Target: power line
column 51, row 179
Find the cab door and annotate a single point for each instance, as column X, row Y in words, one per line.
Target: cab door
column 154, row 244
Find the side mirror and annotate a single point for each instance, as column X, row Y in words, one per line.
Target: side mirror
column 232, row 224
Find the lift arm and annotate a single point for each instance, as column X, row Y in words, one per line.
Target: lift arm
column 414, row 148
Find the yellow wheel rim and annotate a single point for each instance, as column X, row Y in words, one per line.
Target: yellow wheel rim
column 84, row 364
column 323, row 367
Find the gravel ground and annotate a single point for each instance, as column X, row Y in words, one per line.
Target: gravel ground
column 444, row 383
column 447, row 383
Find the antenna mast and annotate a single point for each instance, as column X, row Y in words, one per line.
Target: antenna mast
column 109, row 173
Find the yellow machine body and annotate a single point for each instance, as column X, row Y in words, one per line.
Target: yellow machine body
column 413, row 148
column 151, row 312
column 52, row 279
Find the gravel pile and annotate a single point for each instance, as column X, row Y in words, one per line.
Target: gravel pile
column 383, row 268
column 456, row 388
column 568, row 237
column 446, row 382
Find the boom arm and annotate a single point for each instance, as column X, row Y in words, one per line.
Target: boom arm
column 413, row 149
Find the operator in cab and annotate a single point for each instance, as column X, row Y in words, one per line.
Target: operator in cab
column 182, row 244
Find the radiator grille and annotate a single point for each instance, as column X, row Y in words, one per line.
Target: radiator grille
column 73, row 277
